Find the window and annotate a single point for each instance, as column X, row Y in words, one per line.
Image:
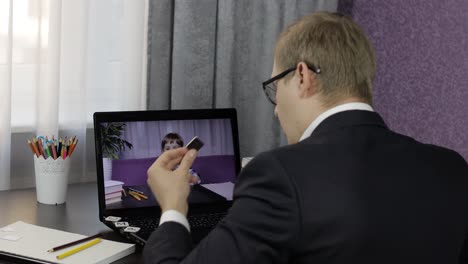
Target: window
column 71, row 58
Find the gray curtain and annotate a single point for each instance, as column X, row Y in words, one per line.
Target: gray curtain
column 216, row 54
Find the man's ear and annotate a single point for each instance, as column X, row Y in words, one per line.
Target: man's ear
column 307, row 80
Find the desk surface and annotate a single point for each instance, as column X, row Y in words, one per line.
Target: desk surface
column 78, row 215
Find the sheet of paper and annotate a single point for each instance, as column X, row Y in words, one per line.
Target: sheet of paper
column 36, row 240
column 10, row 237
column 224, row 189
column 7, row 229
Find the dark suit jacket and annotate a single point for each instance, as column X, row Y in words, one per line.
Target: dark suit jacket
column 353, row 192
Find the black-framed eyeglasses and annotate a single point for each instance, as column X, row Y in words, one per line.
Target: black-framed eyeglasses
column 269, row 86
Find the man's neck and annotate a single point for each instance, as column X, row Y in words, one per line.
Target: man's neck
column 317, row 115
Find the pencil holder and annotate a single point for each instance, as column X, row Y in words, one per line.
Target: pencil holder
column 51, row 179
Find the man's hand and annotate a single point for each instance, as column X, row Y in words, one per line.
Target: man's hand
column 171, row 187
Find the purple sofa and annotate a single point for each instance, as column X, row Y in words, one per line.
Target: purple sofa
column 212, row 169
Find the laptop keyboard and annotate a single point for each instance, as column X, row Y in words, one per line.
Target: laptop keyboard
column 148, row 224
column 205, row 221
column 195, row 221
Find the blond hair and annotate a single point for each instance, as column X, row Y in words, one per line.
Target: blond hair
column 339, row 47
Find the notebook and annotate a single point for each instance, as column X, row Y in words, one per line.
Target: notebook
column 30, row 242
column 127, row 144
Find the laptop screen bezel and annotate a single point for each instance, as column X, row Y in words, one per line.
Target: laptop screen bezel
column 160, row 115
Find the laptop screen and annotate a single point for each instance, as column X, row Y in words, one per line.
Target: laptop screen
column 127, row 144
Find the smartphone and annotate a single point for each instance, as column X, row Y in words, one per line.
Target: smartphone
column 195, row 143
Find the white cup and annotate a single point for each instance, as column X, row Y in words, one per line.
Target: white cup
column 51, row 179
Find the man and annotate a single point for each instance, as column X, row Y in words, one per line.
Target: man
column 345, row 190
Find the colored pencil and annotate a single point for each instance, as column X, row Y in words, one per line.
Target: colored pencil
column 54, row 151
column 80, row 248
column 59, row 149
column 135, row 190
column 139, row 194
column 55, row 148
column 73, row 146
column 64, row 156
column 135, row 196
column 48, row 150
column 41, row 148
column 33, row 148
column 57, row 248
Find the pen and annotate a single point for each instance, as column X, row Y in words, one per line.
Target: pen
column 80, row 248
column 74, row 243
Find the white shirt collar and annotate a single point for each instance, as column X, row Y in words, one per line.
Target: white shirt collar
column 332, row 111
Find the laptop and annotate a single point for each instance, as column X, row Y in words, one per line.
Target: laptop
column 127, row 144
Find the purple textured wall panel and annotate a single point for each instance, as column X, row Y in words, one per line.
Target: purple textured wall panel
column 212, row 169
column 421, row 87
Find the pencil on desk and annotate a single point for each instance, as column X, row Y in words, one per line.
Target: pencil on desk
column 135, row 190
column 143, row 196
column 80, row 248
column 135, row 196
column 139, row 195
column 74, row 243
